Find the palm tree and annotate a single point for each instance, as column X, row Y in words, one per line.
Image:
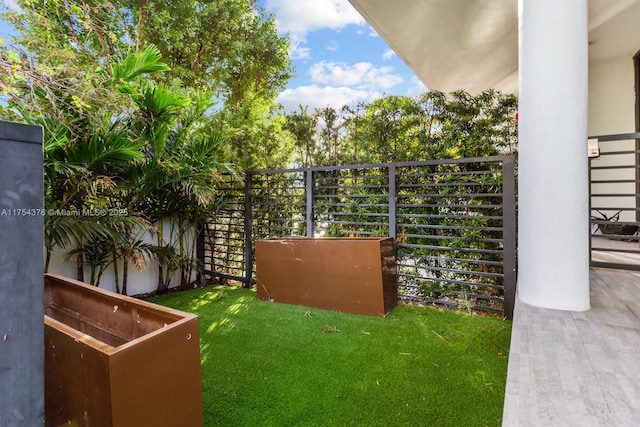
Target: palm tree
column 178, row 178
column 86, row 166
column 135, row 146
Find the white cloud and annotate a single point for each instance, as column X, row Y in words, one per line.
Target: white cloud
column 299, row 17
column 336, row 84
column 332, row 46
column 319, row 97
column 339, row 90
column 388, row 54
column 10, row 5
column 329, row 83
column 417, row 88
column 363, row 75
column 299, row 52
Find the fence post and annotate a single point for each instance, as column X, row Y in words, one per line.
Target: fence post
column 591, row 210
column 509, row 235
column 392, row 203
column 248, row 230
column 21, row 276
column 309, row 213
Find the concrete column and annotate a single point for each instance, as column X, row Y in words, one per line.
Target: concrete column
column 21, row 276
column 553, row 217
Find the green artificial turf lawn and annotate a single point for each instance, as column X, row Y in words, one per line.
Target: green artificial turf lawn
column 269, row 364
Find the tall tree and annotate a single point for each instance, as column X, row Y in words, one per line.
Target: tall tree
column 352, row 118
column 480, row 125
column 59, row 69
column 86, row 158
column 395, row 128
column 389, row 127
column 302, row 126
column 176, row 183
column 229, row 47
column 330, row 124
column 257, row 137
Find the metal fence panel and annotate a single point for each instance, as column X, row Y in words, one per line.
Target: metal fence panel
column 615, row 202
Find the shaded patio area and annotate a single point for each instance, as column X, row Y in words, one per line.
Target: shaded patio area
column 578, row 368
column 616, row 251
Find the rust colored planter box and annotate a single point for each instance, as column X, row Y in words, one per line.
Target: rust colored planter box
column 352, row 275
column 112, row 360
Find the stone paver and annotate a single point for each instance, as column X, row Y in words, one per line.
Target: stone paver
column 578, row 368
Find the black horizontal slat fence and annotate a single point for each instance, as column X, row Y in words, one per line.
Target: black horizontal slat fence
column 615, row 202
column 453, row 223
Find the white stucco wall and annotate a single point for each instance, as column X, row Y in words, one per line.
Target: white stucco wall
column 138, row 282
column 611, row 96
column 612, row 111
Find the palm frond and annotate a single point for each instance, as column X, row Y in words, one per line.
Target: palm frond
column 159, row 103
column 104, row 152
column 65, row 228
column 145, row 61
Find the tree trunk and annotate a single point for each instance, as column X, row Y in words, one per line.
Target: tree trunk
column 92, row 275
column 47, row 260
column 114, row 254
column 162, row 287
column 183, row 272
column 80, row 267
column 125, row 274
column 161, row 284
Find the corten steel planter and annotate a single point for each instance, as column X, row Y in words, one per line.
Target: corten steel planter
column 352, row 275
column 112, row 360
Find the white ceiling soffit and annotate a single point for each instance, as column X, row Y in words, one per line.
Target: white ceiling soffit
column 473, row 44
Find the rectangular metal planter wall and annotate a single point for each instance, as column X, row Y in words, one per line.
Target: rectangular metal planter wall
column 352, row 275
column 112, row 360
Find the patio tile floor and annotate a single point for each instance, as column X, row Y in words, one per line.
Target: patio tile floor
column 578, row 368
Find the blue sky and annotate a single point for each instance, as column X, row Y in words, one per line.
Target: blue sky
column 339, row 59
